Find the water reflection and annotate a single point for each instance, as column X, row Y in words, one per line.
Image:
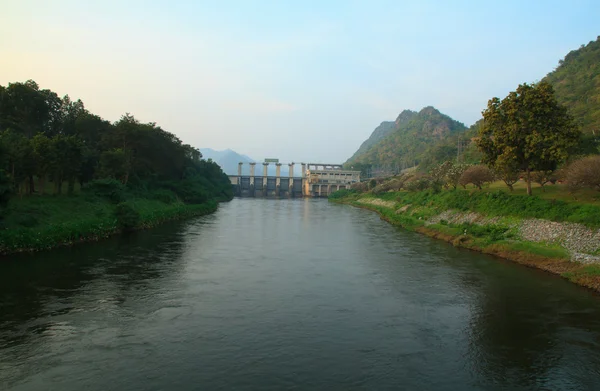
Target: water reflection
column 278, row 294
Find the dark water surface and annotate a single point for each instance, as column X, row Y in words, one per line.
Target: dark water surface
column 301, row 294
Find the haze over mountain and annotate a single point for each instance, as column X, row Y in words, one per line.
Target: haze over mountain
column 229, row 160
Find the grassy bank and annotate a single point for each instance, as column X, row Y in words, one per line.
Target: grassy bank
column 496, row 231
column 43, row 222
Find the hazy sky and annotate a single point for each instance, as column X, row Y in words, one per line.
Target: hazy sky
column 298, row 80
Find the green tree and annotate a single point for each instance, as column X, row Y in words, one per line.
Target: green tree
column 67, row 160
column 528, row 129
column 114, row 164
column 43, row 157
column 18, row 157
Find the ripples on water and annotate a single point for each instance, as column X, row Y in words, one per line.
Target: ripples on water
column 289, row 294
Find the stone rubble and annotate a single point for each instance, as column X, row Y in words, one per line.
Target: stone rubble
column 578, row 239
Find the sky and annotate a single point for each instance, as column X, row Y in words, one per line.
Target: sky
column 295, row 80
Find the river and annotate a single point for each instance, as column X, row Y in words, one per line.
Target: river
column 289, row 294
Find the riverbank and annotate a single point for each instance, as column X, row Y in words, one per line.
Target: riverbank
column 44, row 222
column 515, row 228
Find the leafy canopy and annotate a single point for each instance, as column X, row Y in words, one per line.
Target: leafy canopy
column 528, row 130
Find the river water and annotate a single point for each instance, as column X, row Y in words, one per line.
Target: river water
column 289, row 294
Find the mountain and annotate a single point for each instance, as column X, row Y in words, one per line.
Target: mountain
column 227, row 159
column 576, row 82
column 404, row 141
column 383, row 130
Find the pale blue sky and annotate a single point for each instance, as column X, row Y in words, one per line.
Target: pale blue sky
column 301, row 80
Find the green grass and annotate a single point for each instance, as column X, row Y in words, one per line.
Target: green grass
column 550, row 192
column 501, row 203
column 586, row 271
column 41, row 222
column 542, row 249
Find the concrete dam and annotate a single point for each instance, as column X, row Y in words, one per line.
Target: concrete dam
column 316, row 180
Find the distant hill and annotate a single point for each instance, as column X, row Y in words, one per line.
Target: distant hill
column 404, row 141
column 227, row 159
column 576, row 81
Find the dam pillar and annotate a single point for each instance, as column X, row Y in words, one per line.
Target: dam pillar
column 265, row 174
column 252, row 179
column 304, row 181
column 291, row 182
column 277, row 179
column 240, row 169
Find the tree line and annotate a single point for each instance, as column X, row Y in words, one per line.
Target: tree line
column 48, row 143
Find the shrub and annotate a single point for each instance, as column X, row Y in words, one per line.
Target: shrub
column 127, row 217
column 108, row 188
column 163, row 195
column 543, row 177
column 584, row 173
column 360, row 186
column 476, row 175
column 418, row 183
column 342, row 193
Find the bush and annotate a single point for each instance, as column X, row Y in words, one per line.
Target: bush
column 584, row 173
column 360, row 186
column 127, row 217
column 476, row 175
column 342, row 193
column 418, row 183
column 108, row 188
column 163, row 195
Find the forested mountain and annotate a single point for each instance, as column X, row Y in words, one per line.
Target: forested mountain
column 48, row 140
column 385, row 128
column 405, row 141
column 429, row 137
column 576, row 82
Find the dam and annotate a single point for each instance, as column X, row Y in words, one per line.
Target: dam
column 316, row 180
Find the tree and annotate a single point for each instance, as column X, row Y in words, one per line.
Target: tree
column 43, row 157
column 114, row 164
column 18, row 157
column 528, row 130
column 508, row 172
column 543, row 177
column 454, row 173
column 477, row 175
column 584, row 173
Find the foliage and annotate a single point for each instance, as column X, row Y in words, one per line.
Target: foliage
column 108, row 188
column 454, row 173
column 584, row 173
column 418, row 183
column 543, row 177
column 37, row 223
column 45, row 138
column 477, row 175
column 528, row 130
column 342, row 193
column 127, row 217
column 576, row 81
column 48, row 139
column 500, row 203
